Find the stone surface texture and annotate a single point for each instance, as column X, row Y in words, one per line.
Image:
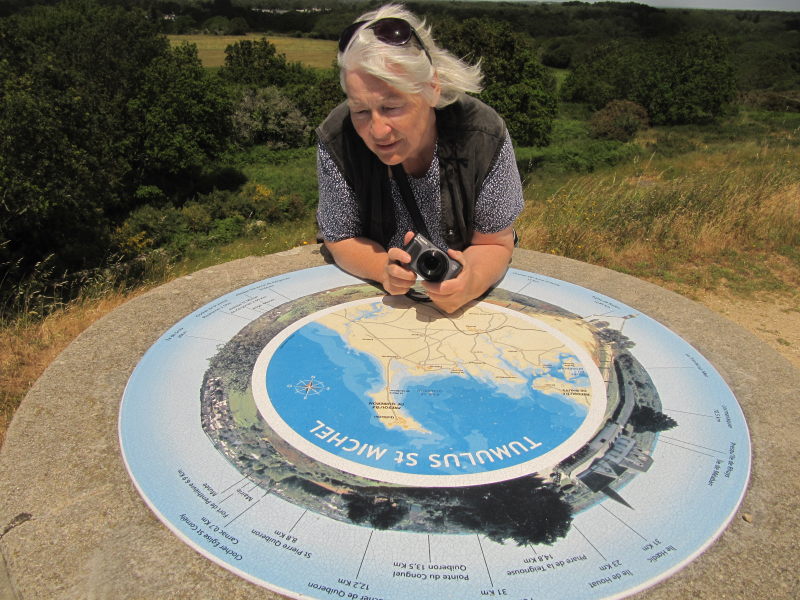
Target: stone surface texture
column 76, row 528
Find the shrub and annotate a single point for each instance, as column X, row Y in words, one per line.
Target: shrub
column 149, row 227
column 197, row 217
column 528, row 111
column 266, row 116
column 619, row 120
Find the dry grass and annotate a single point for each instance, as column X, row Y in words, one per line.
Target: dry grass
column 730, row 217
column 29, row 343
column 26, row 348
column 318, row 54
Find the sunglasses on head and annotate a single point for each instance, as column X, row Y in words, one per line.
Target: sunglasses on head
column 391, row 31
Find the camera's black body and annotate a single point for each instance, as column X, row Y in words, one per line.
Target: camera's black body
column 429, row 262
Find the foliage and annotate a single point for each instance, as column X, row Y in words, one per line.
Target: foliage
column 83, row 126
column 618, row 120
column 778, row 102
column 380, row 513
column 181, row 118
column 317, row 99
column 217, row 25
column 515, row 82
column 257, row 63
column 644, row 418
column 686, row 79
column 572, row 150
column 266, row 116
column 209, row 220
column 765, row 65
column 559, row 52
column 525, row 510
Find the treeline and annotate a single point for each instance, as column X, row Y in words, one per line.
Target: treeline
column 114, row 145
column 763, row 45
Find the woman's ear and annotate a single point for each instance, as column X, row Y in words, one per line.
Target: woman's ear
column 436, row 90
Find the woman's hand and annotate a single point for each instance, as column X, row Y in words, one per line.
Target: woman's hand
column 367, row 259
column 399, row 278
column 484, row 263
column 452, row 294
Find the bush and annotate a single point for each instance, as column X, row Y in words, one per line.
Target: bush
column 266, row 116
column 210, row 220
column 619, row 120
column 267, row 206
column 582, row 156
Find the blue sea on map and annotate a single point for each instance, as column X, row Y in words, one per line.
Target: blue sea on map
column 460, row 414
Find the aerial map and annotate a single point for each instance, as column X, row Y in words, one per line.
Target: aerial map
column 321, row 439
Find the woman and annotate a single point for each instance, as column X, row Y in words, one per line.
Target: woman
column 407, row 118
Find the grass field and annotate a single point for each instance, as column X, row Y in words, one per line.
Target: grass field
column 318, row 54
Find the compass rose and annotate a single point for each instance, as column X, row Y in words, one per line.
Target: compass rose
column 309, row 387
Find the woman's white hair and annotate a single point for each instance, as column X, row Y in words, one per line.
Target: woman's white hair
column 407, row 68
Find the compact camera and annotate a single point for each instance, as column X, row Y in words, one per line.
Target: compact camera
column 429, row 262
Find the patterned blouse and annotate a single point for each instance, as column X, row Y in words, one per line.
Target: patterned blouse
column 497, row 205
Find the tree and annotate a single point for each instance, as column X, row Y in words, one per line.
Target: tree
column 317, row 98
column 381, row 512
column 678, row 80
column 515, row 82
column 644, row 418
column 238, row 26
column 559, row 52
column 259, row 64
column 181, row 119
column 523, row 510
column 217, row 25
column 93, row 106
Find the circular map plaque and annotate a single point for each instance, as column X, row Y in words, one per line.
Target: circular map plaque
column 324, row 441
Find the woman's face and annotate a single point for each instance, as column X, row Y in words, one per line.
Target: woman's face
column 400, row 128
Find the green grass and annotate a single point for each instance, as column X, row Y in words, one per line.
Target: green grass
column 318, row 54
column 272, row 239
column 284, row 172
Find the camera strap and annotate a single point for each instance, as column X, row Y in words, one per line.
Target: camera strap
column 408, row 199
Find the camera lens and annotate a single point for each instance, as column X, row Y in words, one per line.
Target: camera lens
column 432, row 265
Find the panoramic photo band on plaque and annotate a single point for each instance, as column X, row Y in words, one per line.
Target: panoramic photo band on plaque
column 323, row 440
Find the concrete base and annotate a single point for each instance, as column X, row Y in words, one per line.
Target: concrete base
column 76, row 528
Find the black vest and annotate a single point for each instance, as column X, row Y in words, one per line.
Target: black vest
column 470, row 136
